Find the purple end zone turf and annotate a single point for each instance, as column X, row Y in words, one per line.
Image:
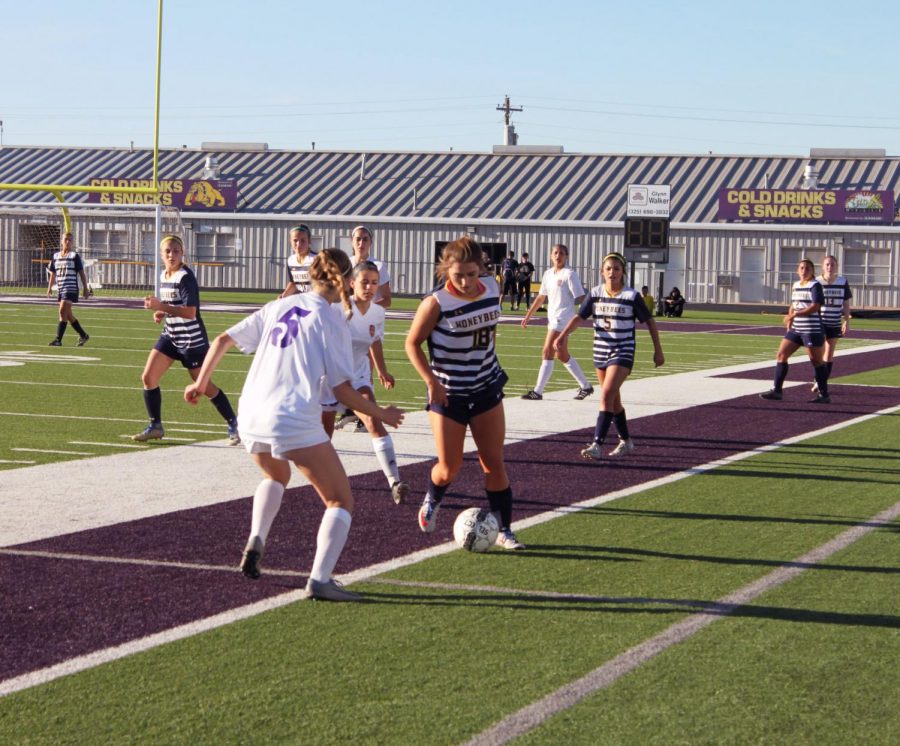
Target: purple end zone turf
column 800, row 369
column 56, row 609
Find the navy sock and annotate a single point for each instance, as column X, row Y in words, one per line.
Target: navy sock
column 604, row 420
column 221, row 403
column 822, row 379
column 621, row 424
column 781, row 371
column 77, row 327
column 501, row 502
column 153, row 402
column 61, row 329
column 436, row 493
column 830, row 363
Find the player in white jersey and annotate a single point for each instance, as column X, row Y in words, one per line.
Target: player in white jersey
column 183, row 338
column 465, row 382
column 298, row 341
column 835, row 311
column 561, row 288
column 299, row 261
column 615, row 309
column 803, row 323
column 65, row 269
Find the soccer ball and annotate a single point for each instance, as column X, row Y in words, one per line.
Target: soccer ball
column 476, row 529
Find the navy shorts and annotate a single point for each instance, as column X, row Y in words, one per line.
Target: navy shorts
column 462, row 409
column 190, row 359
column 833, row 332
column 69, row 295
column 816, row 339
column 606, row 356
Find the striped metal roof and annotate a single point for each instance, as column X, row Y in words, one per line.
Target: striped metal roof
column 578, row 187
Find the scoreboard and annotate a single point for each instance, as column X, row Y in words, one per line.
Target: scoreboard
column 647, row 239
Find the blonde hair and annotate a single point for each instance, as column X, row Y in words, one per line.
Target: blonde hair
column 174, row 239
column 464, row 250
column 329, row 269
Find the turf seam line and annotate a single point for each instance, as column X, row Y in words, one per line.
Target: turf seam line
column 531, row 716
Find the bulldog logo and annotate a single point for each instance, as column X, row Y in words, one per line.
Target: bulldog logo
column 204, row 193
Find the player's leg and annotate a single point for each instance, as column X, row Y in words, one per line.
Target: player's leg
column 546, row 369
column 788, row 346
column 218, row 398
column 571, row 364
column 155, row 368
column 383, row 446
column 64, row 311
column 816, row 355
column 611, row 377
column 449, row 440
column 266, row 504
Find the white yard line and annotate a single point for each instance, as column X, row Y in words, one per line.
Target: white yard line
column 48, row 450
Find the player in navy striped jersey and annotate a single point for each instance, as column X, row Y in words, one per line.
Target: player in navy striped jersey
column 615, row 309
column 804, row 328
column 298, row 341
column 465, row 381
column 65, row 269
column 835, row 311
column 183, row 338
column 299, row 261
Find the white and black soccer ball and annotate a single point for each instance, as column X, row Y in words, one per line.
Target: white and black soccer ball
column 476, row 529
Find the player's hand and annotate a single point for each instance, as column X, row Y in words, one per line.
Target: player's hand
column 659, row 359
column 559, row 343
column 437, row 394
column 151, row 303
column 524, row 322
column 158, row 316
column 49, row 291
column 387, row 380
column 391, row 416
column 192, row 393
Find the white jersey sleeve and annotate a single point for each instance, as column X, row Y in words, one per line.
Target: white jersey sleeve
column 247, row 333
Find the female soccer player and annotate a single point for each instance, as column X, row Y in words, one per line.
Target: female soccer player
column 183, row 338
column 298, row 262
column 361, row 238
column 465, row 381
column 366, row 335
column 804, row 327
column 836, row 309
column 65, row 269
column 615, row 310
column 562, row 287
column 298, row 341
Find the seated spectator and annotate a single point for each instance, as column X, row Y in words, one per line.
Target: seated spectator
column 674, row 303
column 649, row 301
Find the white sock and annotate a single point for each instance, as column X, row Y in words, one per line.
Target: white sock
column 266, row 503
column 544, row 375
column 333, row 531
column 387, row 459
column 575, row 369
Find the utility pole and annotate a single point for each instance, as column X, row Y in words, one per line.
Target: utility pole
column 509, row 131
column 506, row 109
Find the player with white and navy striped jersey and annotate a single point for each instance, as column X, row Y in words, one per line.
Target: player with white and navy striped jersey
column 561, row 288
column 836, row 310
column 465, row 381
column 299, row 261
column 297, row 341
column 65, row 268
column 183, row 338
column 615, row 310
column 803, row 323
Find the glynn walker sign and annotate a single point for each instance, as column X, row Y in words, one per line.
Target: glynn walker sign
column 807, row 205
column 185, row 194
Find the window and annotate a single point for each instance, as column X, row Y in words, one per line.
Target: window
column 214, row 247
column 867, row 266
column 109, row 243
column 790, row 258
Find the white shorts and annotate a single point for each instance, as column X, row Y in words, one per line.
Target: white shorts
column 557, row 325
column 280, row 446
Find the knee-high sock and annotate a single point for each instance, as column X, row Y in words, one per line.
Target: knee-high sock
column 575, row 369
column 544, row 374
column 223, row 406
column 604, row 420
column 330, row 542
column 501, row 506
column 436, row 493
column 781, row 370
column 77, row 327
column 387, row 459
column 621, row 424
column 61, row 329
column 153, row 402
column 266, row 503
column 830, row 365
column 822, row 378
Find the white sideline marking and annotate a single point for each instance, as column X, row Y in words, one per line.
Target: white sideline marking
column 166, row 439
column 81, row 663
column 533, row 715
column 106, row 445
column 14, row 461
column 49, row 450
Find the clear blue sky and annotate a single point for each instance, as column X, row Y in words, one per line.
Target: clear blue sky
column 598, row 77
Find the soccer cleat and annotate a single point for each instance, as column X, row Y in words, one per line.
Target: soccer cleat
column 345, row 419
column 821, row 399
column 771, row 395
column 399, row 491
column 624, row 447
column 428, row 515
column 532, row 396
column 153, row 431
column 234, row 437
column 252, row 558
column 360, row 427
column 82, row 340
column 56, row 343
column 506, row 539
column 329, row 591
column 584, row 393
column 592, row 451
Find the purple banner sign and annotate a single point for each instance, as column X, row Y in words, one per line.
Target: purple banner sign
column 807, row 205
column 186, row 194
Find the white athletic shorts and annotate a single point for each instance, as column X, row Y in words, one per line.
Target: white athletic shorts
column 280, row 446
column 557, row 325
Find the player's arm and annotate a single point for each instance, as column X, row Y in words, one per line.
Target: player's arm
column 352, row 399
column 152, row 303
column 86, row 291
column 51, row 280
column 289, row 289
column 384, row 295
column 845, row 317
column 532, row 309
column 214, row 354
column 376, row 354
column 423, row 324
column 658, row 357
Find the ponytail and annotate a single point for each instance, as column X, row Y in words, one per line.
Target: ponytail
column 329, row 269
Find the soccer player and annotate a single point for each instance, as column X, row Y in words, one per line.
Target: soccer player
column 562, row 288
column 803, row 323
column 465, row 381
column 298, row 341
column 298, row 262
column 616, row 309
column 65, row 269
column 835, row 310
column 508, row 269
column 524, row 272
column 183, row 338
